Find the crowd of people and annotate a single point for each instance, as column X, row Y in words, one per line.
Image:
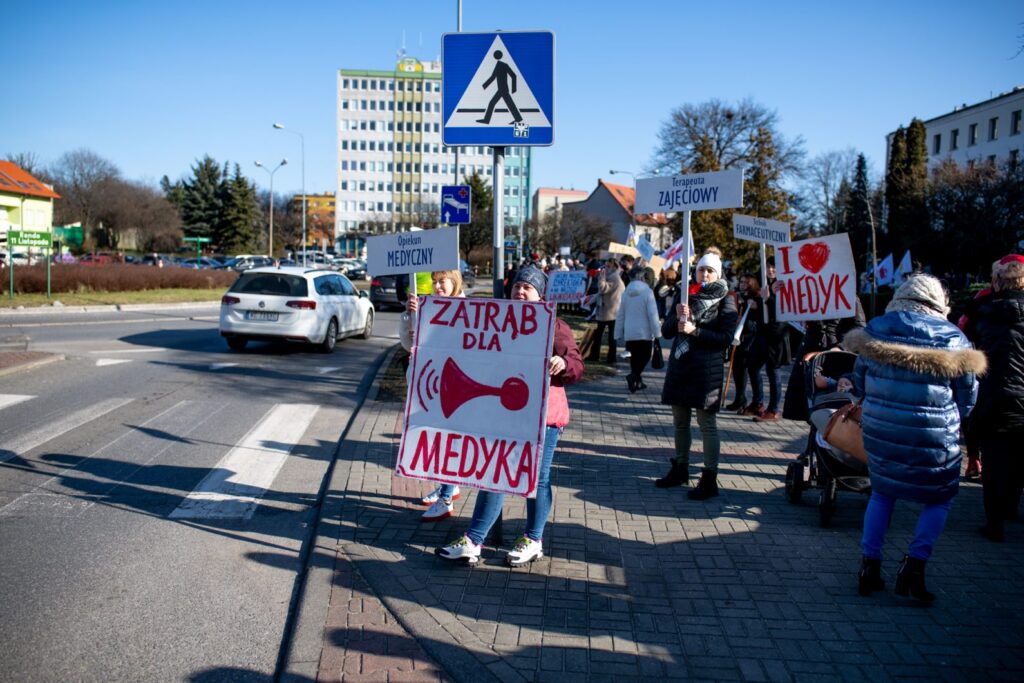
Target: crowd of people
column 920, row 380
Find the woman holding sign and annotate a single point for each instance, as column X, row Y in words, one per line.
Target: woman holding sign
column 445, row 283
column 564, row 367
column 702, row 331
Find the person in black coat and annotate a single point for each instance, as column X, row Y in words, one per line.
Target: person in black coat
column 995, row 323
column 701, row 333
column 771, row 351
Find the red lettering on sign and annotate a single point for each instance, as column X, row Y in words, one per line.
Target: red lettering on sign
column 529, row 325
column 839, row 284
column 488, row 456
column 491, row 321
column 814, row 294
column 450, row 454
column 505, row 450
column 525, row 464
column 467, row 467
column 442, row 307
column 786, row 270
column 787, row 302
column 431, row 452
column 482, row 341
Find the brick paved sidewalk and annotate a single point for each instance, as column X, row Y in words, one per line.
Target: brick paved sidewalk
column 639, row 582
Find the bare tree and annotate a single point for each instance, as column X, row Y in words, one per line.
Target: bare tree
column 80, row 178
column 715, row 135
column 583, row 233
column 127, row 206
column 29, row 162
column 823, row 177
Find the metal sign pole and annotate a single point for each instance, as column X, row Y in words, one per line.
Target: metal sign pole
column 498, row 173
column 684, row 291
column 764, row 282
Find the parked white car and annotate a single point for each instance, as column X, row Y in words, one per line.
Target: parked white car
column 294, row 304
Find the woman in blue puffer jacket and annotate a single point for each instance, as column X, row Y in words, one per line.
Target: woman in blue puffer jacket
column 916, row 372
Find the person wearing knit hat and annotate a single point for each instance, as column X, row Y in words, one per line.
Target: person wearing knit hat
column 995, row 323
column 917, row 372
column 712, row 261
column 565, row 366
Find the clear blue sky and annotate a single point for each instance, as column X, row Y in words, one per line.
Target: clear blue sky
column 154, row 86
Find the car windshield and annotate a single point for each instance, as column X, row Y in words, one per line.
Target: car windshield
column 273, row 284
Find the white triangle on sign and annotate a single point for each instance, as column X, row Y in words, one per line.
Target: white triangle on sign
column 221, row 366
column 473, row 105
column 111, row 361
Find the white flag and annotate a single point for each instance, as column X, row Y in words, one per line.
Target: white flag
column 883, row 272
column 905, row 267
column 675, row 252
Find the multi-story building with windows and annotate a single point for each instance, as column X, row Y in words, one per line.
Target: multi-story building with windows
column 991, row 131
column 391, row 161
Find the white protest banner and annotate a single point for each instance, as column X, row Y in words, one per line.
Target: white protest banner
column 473, row 418
column 566, row 286
column 763, row 230
column 422, row 251
column 691, row 192
column 817, row 279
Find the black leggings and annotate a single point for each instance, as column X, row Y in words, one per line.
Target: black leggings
column 639, row 355
column 1002, row 477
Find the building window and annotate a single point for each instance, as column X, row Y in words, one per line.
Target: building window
column 1014, row 158
column 362, row 85
column 972, row 135
column 937, row 143
column 993, row 128
column 954, row 139
column 1015, row 123
column 344, row 83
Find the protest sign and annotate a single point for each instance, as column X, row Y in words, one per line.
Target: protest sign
column 817, row 279
column 420, row 251
column 566, row 286
column 470, row 418
column 763, row 230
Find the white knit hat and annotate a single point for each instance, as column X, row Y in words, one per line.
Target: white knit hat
column 920, row 293
column 711, row 261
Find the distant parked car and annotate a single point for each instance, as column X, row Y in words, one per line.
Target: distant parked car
column 20, row 258
column 294, row 304
column 204, row 263
column 244, row 262
column 155, row 260
column 384, row 294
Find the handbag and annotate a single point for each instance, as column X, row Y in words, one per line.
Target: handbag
column 844, row 431
column 657, row 359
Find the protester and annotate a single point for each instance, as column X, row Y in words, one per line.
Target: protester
column 609, row 288
column 972, row 436
column 637, row 325
column 747, row 298
column 701, row 332
column 664, row 291
column 770, row 351
column 565, row 367
column 445, row 283
column 996, row 325
column 916, row 371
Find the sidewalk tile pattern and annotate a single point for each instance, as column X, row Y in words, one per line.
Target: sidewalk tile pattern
column 640, row 583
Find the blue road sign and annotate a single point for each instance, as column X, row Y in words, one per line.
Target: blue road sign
column 455, row 201
column 498, row 89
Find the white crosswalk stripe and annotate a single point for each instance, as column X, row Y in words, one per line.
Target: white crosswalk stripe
column 236, row 484
column 7, row 400
column 51, row 430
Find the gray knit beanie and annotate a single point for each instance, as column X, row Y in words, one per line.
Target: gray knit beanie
column 532, row 275
column 923, row 294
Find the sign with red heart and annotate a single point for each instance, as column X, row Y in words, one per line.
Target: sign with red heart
column 817, row 279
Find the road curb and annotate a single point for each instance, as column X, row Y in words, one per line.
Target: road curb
column 31, row 365
column 112, row 308
column 303, row 639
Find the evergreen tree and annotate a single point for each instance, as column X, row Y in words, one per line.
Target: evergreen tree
column 239, row 226
column 481, row 228
column 202, row 199
column 858, row 220
column 894, row 191
column 762, row 195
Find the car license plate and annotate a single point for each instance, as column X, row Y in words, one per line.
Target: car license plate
column 261, row 315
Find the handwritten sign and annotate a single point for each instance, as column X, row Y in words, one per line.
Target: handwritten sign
column 566, row 286
column 817, row 278
column 473, row 418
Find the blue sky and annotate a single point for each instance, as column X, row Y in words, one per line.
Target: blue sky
column 154, row 86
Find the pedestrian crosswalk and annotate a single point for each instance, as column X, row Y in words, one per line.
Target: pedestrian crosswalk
column 238, row 472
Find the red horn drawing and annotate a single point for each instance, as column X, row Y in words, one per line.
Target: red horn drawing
column 458, row 388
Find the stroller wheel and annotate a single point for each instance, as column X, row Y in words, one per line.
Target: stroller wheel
column 794, row 481
column 827, row 502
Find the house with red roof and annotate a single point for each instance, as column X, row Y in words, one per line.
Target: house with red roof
column 614, row 203
column 26, row 203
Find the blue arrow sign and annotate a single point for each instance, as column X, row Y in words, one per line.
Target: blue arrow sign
column 498, row 89
column 455, row 202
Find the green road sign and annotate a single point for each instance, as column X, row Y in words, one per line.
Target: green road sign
column 26, row 238
column 198, row 240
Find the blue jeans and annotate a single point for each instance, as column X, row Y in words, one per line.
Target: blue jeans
column 488, row 504
column 876, row 522
column 447, row 491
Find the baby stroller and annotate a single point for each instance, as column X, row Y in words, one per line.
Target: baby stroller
column 820, row 466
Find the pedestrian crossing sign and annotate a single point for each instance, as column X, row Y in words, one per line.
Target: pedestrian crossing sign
column 498, row 88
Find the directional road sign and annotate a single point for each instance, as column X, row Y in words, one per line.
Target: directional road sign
column 498, row 89
column 455, row 201
column 28, row 238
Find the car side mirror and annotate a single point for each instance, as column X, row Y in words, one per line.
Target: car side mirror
column 363, row 294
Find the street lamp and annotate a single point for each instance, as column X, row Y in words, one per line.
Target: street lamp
column 271, row 174
column 280, row 126
column 629, row 173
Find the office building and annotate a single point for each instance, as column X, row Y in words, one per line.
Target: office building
column 391, row 161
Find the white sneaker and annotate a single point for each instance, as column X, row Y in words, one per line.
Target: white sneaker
column 434, row 495
column 460, row 549
column 524, row 551
column 438, row 511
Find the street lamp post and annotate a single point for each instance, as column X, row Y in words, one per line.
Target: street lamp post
column 302, row 140
column 270, row 247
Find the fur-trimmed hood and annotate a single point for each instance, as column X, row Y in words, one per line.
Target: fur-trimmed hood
column 931, row 360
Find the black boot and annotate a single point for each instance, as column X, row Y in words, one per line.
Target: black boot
column 631, row 383
column 706, row 488
column 910, row 580
column 870, row 577
column 677, row 476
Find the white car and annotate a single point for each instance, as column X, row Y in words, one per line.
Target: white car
column 294, row 304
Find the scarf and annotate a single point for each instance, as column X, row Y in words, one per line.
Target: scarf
column 703, row 308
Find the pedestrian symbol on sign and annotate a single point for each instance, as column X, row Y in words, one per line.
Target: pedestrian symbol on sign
column 501, row 75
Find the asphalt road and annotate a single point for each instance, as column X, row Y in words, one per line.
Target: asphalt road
column 157, row 490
